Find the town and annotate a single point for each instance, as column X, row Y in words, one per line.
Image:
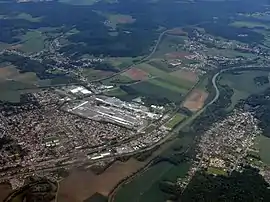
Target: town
column 52, row 129
column 226, row 147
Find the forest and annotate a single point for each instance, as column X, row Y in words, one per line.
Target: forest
column 245, row 186
column 135, row 39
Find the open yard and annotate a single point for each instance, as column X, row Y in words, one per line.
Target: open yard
column 195, row 101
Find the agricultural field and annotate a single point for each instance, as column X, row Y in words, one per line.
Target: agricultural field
column 121, row 62
column 162, row 64
column 137, row 74
column 185, row 75
column 169, row 44
column 250, row 24
column 242, row 84
column 28, row 17
column 116, row 92
column 13, row 83
column 146, row 185
column 116, row 19
column 228, row 53
column 80, row 2
column 195, row 101
column 119, row 80
column 216, row 171
column 155, row 72
column 178, row 31
column 32, row 41
column 3, row 46
column 104, row 182
column 147, row 89
column 174, row 121
column 263, row 143
column 151, row 82
column 93, row 74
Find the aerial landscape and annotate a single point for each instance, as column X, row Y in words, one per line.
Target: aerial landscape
column 134, row 101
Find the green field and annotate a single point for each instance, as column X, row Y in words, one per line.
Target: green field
column 165, row 76
column 175, row 120
column 32, row 41
column 160, row 85
column 162, row 65
column 228, row 53
column 147, row 89
column 169, row 44
column 164, row 84
column 92, row 74
column 11, row 90
column 122, row 62
column 216, row 171
column 249, row 24
column 79, row 2
column 3, row 46
column 242, row 84
column 26, row 16
column 263, row 144
column 118, row 80
column 146, row 186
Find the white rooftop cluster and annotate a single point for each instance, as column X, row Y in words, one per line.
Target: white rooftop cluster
column 80, row 89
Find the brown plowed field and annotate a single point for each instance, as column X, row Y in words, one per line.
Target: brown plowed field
column 137, row 74
column 80, row 185
column 195, row 100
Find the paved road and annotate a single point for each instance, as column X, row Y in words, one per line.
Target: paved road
column 144, row 59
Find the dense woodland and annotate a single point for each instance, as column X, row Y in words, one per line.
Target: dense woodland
column 133, row 39
column 246, row 186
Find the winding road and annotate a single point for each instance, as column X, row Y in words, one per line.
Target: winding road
column 144, row 59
